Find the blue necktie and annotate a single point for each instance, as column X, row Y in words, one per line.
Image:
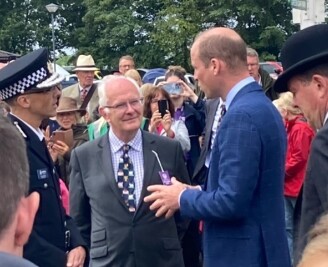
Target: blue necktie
column 125, row 179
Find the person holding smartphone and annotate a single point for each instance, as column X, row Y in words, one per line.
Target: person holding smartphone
column 72, row 133
column 161, row 120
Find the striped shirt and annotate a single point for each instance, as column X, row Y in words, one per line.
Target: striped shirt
column 135, row 154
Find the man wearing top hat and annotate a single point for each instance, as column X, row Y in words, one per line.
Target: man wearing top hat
column 85, row 92
column 32, row 92
column 304, row 58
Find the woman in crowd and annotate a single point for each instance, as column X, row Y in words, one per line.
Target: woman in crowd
column 189, row 108
column 166, row 125
column 69, row 117
column 299, row 137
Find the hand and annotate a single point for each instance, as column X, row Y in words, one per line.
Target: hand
column 165, row 198
column 167, row 122
column 47, row 134
column 60, row 147
column 188, row 92
column 76, row 257
column 154, row 121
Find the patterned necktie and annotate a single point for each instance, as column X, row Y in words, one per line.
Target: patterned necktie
column 125, row 179
column 83, row 93
column 223, row 111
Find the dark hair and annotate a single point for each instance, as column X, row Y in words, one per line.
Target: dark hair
column 14, row 178
column 177, row 71
column 151, row 94
column 321, row 69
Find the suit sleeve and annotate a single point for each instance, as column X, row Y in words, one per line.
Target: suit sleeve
column 79, row 204
column 234, row 169
column 181, row 134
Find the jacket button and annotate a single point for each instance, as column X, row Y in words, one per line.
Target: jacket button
column 45, row 185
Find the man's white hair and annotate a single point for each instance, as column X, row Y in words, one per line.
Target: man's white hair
column 106, row 82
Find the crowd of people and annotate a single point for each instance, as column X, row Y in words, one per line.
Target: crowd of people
column 121, row 173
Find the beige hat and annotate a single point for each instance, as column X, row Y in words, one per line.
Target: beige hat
column 85, row 63
column 68, row 104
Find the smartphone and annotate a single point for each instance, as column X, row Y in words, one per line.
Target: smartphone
column 172, row 88
column 64, row 136
column 163, row 105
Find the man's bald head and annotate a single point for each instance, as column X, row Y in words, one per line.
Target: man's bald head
column 221, row 43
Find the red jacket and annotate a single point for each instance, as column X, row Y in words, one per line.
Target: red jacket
column 299, row 137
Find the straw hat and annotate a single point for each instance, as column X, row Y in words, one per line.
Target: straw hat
column 68, row 104
column 85, row 63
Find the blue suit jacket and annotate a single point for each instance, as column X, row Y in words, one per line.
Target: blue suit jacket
column 243, row 203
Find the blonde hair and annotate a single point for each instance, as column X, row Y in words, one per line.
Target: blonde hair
column 317, row 240
column 145, row 88
column 134, row 74
column 286, row 102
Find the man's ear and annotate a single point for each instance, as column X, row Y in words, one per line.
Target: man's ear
column 104, row 112
column 26, row 211
column 215, row 65
column 23, row 101
column 321, row 83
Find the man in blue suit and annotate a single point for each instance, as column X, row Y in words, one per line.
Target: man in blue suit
column 241, row 203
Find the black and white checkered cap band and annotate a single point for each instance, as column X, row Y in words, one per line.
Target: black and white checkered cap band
column 20, row 86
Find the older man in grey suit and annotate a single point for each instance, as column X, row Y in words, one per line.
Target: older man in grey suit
column 85, row 92
column 108, row 183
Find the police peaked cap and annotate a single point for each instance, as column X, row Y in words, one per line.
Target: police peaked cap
column 28, row 72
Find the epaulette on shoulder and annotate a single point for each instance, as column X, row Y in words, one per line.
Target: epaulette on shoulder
column 20, row 129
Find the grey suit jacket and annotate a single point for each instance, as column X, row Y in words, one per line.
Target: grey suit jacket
column 73, row 91
column 8, row 260
column 315, row 188
column 115, row 236
column 200, row 171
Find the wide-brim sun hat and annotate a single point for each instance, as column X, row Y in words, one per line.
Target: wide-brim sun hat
column 85, row 63
column 302, row 51
column 68, row 104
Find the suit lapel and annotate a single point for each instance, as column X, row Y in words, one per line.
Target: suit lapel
column 149, row 144
column 105, row 157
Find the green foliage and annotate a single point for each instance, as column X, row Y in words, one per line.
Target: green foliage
column 156, row 33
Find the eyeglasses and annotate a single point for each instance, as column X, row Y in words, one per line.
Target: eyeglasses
column 134, row 103
column 43, row 90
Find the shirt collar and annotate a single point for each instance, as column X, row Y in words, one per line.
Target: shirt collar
column 116, row 143
column 326, row 118
column 81, row 88
column 37, row 131
column 237, row 87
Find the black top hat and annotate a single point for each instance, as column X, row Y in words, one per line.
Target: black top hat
column 301, row 52
column 28, row 72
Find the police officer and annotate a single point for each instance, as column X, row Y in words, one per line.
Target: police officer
column 32, row 92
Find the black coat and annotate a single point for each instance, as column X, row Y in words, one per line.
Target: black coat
column 46, row 246
column 315, row 188
column 195, row 123
column 200, row 172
